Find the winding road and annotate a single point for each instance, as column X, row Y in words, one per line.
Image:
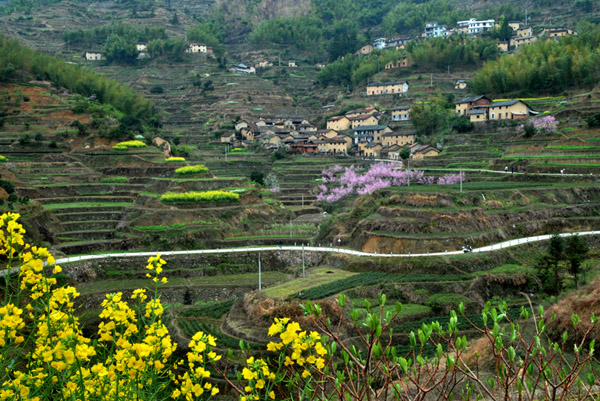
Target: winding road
column 488, row 248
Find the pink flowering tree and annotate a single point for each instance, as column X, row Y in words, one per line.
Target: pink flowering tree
column 340, row 182
column 545, row 125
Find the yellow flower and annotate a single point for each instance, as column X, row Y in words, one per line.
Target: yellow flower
column 272, row 395
column 214, row 391
column 305, row 374
column 248, row 374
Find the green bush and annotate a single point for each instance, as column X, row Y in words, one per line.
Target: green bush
column 206, row 196
column 189, row 170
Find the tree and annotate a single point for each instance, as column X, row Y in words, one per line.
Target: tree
column 405, row 154
column 429, row 116
column 549, row 265
column 576, row 251
column 120, row 49
column 504, row 31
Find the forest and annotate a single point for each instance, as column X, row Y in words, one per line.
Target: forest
column 545, row 67
column 17, row 60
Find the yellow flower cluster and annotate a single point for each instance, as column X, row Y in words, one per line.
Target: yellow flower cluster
column 175, row 159
column 193, row 382
column 302, row 349
column 3, row 159
column 155, row 264
column 260, row 380
column 10, row 323
column 129, row 144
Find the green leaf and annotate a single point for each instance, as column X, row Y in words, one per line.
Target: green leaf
column 341, row 300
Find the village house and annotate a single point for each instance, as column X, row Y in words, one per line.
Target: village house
column 371, row 149
column 503, row 46
column 263, row 64
column 392, row 152
column 367, row 119
column 557, row 31
column 363, row 51
column 241, row 124
column 228, row 137
column 199, row 48
column 475, row 27
column 509, row 110
column 93, row 55
column 398, row 138
column 379, row 43
column 369, row 133
column 524, row 31
column 460, row 84
column 305, row 146
column 433, row 30
column 337, row 145
column 326, row 133
column 403, row 62
column 306, row 128
column 242, row 69
column 422, row 151
column 398, row 43
column 163, row 145
column 514, row 25
column 478, row 115
column 141, row 47
column 250, row 132
column 338, row 123
column 292, row 64
column 320, row 65
column 362, row 112
column 271, row 139
column 464, row 106
column 400, row 113
column 387, row 88
column 517, row 42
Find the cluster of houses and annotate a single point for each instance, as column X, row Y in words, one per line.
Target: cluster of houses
column 482, row 109
column 356, row 132
column 523, row 35
column 142, row 49
column 469, row 27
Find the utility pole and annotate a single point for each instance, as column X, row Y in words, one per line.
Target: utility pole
column 431, row 82
column 303, row 270
column 259, row 274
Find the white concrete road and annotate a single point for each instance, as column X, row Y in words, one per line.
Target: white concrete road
column 488, row 248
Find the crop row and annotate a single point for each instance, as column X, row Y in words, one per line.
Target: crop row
column 214, row 311
column 206, row 196
column 189, row 170
column 372, row 278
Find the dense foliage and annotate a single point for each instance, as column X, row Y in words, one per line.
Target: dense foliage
column 17, row 59
column 440, row 53
column 545, row 66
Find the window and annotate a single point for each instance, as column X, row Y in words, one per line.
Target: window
column 493, row 116
column 507, row 114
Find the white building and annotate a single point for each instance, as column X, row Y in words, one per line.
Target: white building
column 380, row 43
column 475, row 27
column 199, row 48
column 93, row 56
column 433, row 30
column 141, row 47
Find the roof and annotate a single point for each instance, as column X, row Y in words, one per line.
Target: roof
column 389, row 83
column 337, row 139
column 373, row 144
column 227, row 134
column 505, row 103
column 370, row 128
column 471, row 99
column 335, row 118
column 363, row 110
column 460, row 81
column 401, row 108
column 477, row 111
column 523, row 38
column 400, row 133
column 361, row 117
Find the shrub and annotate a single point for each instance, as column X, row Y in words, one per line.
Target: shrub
column 157, row 89
column 189, row 170
column 258, row 177
column 175, row 159
column 206, row 196
column 3, row 159
column 129, row 144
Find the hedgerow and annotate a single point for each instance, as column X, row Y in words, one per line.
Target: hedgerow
column 188, row 170
column 206, row 196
